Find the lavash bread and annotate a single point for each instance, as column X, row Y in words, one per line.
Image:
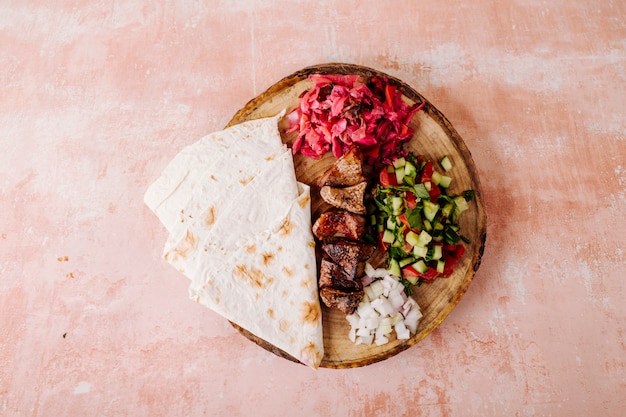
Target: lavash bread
column 240, row 228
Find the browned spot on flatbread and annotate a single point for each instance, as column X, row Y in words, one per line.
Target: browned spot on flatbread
column 270, row 313
column 268, row 258
column 310, row 312
column 253, row 276
column 271, row 157
column 63, row 259
column 213, row 177
column 210, row 216
column 283, row 325
column 311, row 244
column 304, row 202
column 251, row 248
column 288, row 271
column 186, row 246
column 307, row 282
column 311, row 353
column 246, row 181
column 286, row 227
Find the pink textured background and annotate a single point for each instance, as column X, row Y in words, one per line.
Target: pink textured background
column 97, row 96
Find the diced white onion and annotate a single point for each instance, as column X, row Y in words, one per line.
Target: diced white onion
column 385, row 309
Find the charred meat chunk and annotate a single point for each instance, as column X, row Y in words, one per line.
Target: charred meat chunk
column 346, row 171
column 333, row 276
column 348, row 198
column 344, row 301
column 339, row 223
column 348, row 254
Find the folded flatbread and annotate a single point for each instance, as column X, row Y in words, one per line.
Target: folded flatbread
column 240, row 228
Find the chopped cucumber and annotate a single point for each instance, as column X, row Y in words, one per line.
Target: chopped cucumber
column 437, row 252
column 420, row 266
column 400, row 174
column 424, row 238
column 461, row 204
column 446, row 164
column 430, row 210
column 396, row 205
column 412, row 238
column 394, row 268
column 400, row 162
column 441, row 264
column 388, row 236
column 420, row 251
column 436, row 178
column 410, row 170
column 447, row 209
column 413, row 279
column 445, row 181
column 406, row 261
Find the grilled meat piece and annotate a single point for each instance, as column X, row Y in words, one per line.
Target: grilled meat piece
column 344, row 301
column 339, row 223
column 348, row 198
column 348, row 254
column 333, row 276
column 346, row 171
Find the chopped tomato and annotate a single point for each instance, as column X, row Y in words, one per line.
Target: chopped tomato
column 387, row 180
column 409, row 271
column 427, row 172
column 411, row 201
column 448, row 247
column 449, row 266
column 404, row 220
column 434, row 193
column 430, row 274
column 382, row 245
column 458, row 252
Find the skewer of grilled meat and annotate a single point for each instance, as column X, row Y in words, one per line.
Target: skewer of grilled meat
column 339, row 230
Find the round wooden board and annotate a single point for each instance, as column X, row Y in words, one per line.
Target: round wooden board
column 434, row 137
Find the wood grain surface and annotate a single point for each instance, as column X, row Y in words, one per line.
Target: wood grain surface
column 434, row 137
